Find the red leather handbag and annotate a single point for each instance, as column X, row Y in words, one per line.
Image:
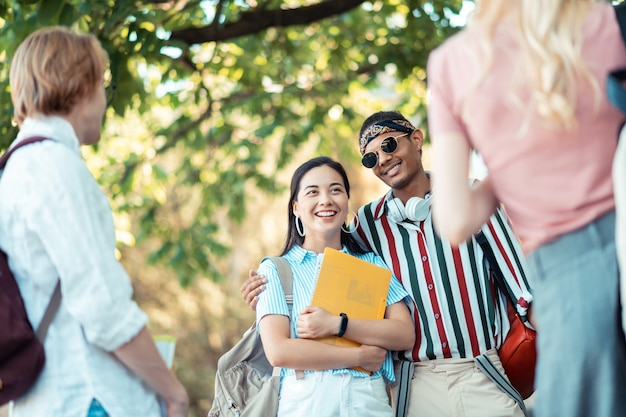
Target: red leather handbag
column 518, row 355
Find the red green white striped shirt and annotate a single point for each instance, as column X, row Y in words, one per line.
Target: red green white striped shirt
column 457, row 311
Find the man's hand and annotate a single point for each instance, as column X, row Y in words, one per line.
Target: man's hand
column 252, row 287
column 315, row 322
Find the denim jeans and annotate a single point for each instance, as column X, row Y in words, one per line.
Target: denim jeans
column 96, row 410
column 575, row 280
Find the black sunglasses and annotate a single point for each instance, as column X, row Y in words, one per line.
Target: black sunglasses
column 388, row 145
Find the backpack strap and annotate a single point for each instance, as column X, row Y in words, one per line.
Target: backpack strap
column 5, row 157
column 51, row 311
column 286, row 279
column 55, row 300
column 615, row 90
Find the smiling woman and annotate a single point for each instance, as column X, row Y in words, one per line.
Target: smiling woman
column 317, row 210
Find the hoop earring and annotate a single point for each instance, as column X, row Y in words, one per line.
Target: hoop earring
column 299, row 226
column 355, row 222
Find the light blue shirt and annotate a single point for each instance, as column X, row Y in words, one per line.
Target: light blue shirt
column 55, row 222
column 305, row 266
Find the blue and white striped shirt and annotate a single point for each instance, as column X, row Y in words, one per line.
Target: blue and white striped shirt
column 305, row 267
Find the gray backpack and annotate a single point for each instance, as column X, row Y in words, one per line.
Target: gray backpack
column 246, row 385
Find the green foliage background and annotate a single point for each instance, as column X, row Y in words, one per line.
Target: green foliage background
column 215, row 101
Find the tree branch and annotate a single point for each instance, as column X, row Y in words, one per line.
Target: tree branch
column 260, row 19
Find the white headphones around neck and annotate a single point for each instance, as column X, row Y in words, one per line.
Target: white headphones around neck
column 415, row 210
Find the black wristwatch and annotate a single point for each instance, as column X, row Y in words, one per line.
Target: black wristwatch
column 344, row 324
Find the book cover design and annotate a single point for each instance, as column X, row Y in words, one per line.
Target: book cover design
column 350, row 285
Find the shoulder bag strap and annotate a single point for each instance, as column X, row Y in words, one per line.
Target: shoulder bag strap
column 5, row 157
column 55, row 300
column 483, row 361
column 404, row 375
column 286, row 279
column 495, row 268
column 615, row 89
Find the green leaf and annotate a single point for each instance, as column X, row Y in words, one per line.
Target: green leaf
column 68, row 15
column 49, row 11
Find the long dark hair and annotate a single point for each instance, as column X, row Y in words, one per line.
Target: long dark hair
column 293, row 238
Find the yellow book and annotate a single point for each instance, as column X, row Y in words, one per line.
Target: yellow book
column 350, row 285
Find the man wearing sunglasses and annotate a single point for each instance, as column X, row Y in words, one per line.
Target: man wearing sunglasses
column 457, row 317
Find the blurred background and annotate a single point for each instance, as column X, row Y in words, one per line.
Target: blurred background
column 214, row 103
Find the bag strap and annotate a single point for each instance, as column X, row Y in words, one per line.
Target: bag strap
column 5, row 157
column 483, row 361
column 615, row 90
column 51, row 311
column 286, row 279
column 55, row 300
column 489, row 369
column 495, row 267
column 404, row 376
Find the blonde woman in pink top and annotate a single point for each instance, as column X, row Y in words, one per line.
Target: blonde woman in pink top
column 524, row 85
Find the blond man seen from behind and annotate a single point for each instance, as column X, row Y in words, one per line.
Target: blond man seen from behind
column 56, row 224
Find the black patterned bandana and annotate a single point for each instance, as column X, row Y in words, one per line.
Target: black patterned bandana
column 381, row 127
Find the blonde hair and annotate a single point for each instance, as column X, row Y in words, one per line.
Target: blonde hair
column 549, row 33
column 52, row 69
